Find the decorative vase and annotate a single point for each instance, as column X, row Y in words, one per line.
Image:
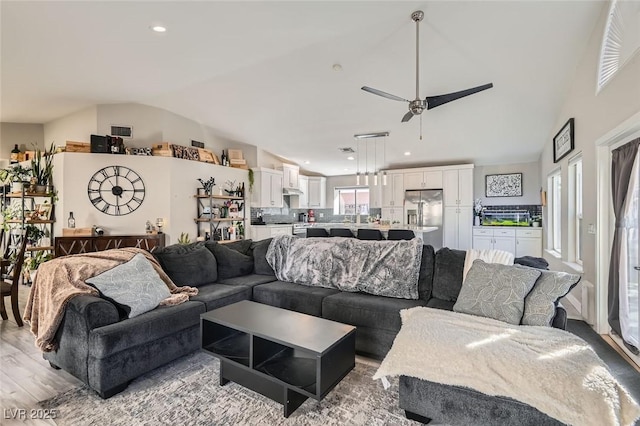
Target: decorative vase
column 16, row 186
column 476, row 221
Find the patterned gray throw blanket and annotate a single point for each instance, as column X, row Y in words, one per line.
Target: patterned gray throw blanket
column 384, row 268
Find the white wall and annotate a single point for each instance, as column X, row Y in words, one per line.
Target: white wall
column 530, row 183
column 170, row 185
column 594, row 116
column 74, row 127
column 27, row 136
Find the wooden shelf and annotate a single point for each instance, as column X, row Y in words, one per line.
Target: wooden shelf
column 39, row 248
column 29, row 194
column 224, row 219
column 30, row 221
column 219, row 197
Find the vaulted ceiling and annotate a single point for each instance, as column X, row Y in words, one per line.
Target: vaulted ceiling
column 263, row 72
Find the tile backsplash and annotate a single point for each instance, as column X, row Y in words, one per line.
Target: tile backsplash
column 288, row 215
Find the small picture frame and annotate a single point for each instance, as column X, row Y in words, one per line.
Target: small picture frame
column 41, row 212
column 563, row 141
column 503, row 185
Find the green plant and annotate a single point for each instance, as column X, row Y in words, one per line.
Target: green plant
column 184, row 238
column 251, row 180
column 37, row 259
column 42, row 165
column 33, row 233
column 16, row 173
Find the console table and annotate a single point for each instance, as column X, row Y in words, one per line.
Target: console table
column 75, row 245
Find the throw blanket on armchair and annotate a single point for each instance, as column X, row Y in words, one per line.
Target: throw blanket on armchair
column 63, row 278
column 385, row 268
column 549, row 369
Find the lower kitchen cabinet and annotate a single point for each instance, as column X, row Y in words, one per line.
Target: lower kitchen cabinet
column 520, row 242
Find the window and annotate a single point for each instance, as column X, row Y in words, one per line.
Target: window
column 351, row 201
column 575, row 209
column 555, row 212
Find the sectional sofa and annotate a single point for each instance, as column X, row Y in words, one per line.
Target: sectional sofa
column 106, row 351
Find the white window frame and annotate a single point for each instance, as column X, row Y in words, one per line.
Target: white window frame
column 575, row 206
column 355, row 189
column 554, row 216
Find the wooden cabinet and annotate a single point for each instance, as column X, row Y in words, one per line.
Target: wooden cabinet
column 496, row 239
column 268, row 188
column 393, row 192
column 456, row 227
column 290, row 174
column 457, row 187
column 317, row 192
column 423, row 180
column 528, row 242
column 76, row 245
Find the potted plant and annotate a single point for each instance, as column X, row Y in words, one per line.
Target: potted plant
column 17, row 175
column 33, row 234
column 42, row 169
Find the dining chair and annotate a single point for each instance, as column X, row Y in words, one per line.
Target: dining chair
column 400, row 234
column 341, row 232
column 370, row 234
column 317, row 232
column 11, row 281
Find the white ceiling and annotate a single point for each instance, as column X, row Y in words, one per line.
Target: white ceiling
column 261, row 72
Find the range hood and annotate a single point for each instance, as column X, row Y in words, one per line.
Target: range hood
column 291, row 191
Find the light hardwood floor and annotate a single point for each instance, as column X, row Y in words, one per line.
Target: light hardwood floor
column 25, row 377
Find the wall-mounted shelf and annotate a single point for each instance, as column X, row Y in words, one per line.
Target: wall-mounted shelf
column 210, row 210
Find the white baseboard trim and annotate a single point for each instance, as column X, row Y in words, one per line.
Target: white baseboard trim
column 570, row 299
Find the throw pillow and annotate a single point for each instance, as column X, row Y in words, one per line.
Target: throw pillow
column 425, row 280
column 241, row 246
column 496, row 291
column 540, row 304
column 191, row 265
column 231, row 263
column 134, row 287
column 447, row 274
column 259, row 249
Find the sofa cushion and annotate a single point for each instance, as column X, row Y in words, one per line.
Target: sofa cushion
column 425, row 280
column 134, row 286
column 217, row 295
column 189, row 264
column 260, row 264
column 496, row 291
column 241, row 246
column 447, row 274
column 440, row 304
column 295, row 297
column 367, row 310
column 148, row 327
column 250, row 280
column 231, row 263
column 540, row 304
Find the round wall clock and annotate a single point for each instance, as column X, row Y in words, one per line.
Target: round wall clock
column 116, row 190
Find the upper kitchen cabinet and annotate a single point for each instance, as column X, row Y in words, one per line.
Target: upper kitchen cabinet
column 317, row 198
column 457, row 186
column 290, row 174
column 268, row 188
column 393, row 191
column 423, row 180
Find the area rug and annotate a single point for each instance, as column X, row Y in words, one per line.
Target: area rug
column 187, row 392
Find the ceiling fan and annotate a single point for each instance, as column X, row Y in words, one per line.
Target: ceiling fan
column 418, row 105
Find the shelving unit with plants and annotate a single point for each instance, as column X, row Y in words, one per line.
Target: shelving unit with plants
column 221, row 217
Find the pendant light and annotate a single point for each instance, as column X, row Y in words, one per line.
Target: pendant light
column 366, row 163
column 384, row 158
column 358, row 162
column 375, row 164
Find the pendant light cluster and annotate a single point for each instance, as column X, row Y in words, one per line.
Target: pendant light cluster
column 374, row 140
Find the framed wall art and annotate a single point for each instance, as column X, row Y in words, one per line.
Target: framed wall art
column 503, row 185
column 563, row 141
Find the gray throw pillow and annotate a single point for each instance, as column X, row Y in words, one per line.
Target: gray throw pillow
column 261, row 266
column 191, row 265
column 540, row 304
column 496, row 291
column 134, row 286
column 447, row 273
column 231, row 263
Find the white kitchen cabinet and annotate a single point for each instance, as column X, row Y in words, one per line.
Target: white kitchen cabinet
column 317, row 192
column 496, row 239
column 269, row 188
column 423, row 180
column 290, row 174
column 262, row 232
column 393, row 191
column 303, row 186
column 393, row 215
column 528, row 242
column 457, row 226
column 457, row 187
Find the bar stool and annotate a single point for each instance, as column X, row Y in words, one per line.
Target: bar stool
column 317, row 232
column 370, row 234
column 400, row 234
column 341, row 232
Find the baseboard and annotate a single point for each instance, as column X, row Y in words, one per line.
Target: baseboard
column 574, row 305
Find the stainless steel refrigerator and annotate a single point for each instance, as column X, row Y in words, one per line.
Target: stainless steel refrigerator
column 423, row 209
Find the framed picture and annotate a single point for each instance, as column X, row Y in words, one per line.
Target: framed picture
column 41, row 212
column 504, row 185
column 563, row 141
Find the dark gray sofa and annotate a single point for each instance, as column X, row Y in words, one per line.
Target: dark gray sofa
column 107, row 352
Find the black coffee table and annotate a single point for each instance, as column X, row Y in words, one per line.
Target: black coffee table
column 284, row 355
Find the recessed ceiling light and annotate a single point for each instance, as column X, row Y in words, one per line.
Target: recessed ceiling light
column 346, row 169
column 307, row 162
column 337, row 67
column 158, row 28
column 350, row 157
column 407, row 153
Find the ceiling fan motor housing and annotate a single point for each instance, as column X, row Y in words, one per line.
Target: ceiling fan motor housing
column 417, row 106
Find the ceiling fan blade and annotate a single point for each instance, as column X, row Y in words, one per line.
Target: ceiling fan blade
column 383, row 94
column 407, row 117
column 436, row 101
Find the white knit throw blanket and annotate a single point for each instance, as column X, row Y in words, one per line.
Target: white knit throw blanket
column 549, row 369
column 489, row 256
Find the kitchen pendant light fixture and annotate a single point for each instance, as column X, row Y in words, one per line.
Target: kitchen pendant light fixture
column 376, row 170
column 384, row 157
column 358, row 163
